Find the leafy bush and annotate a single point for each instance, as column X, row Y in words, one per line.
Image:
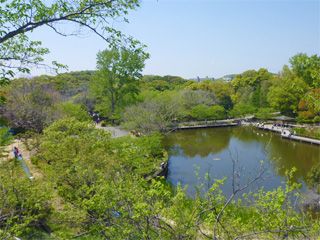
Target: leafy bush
column 69, row 109
column 240, row 110
column 264, row 113
column 24, row 206
column 5, row 136
column 203, row 112
column 305, row 115
column 151, row 115
column 313, row 177
column 316, row 119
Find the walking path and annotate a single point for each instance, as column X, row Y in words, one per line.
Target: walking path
column 205, row 124
column 31, row 170
column 115, row 131
column 286, row 133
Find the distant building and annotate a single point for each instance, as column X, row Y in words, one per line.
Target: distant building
column 228, row 77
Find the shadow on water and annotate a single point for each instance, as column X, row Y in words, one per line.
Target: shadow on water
column 211, row 151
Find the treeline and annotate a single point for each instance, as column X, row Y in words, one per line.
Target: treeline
column 153, row 103
column 293, row 92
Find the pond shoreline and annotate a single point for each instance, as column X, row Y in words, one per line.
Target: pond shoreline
column 270, row 126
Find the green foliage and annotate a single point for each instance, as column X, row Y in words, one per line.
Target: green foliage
column 286, row 92
column 69, row 110
column 152, row 115
column 309, row 105
column 203, row 112
column 314, row 177
column 18, row 18
column 117, row 80
column 101, row 186
column 251, row 87
column 193, row 98
column 5, row 136
column 220, row 89
column 5, row 139
column 264, row 113
column 308, row 68
column 242, row 110
column 24, row 206
column 159, row 83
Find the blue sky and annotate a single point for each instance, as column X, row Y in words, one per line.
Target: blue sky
column 202, row 38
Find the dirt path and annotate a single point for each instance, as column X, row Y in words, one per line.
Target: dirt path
column 8, row 155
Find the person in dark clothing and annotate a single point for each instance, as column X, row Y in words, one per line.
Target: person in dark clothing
column 16, row 152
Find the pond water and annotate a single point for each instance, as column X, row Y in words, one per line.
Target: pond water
column 196, row 152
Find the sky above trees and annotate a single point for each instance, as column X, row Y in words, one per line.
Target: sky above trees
column 193, row 38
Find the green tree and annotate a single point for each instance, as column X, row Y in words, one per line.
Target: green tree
column 286, row 92
column 220, row 89
column 251, row 87
column 307, row 68
column 240, row 110
column 19, row 17
column 25, row 205
column 152, row 115
column 203, row 112
column 117, row 78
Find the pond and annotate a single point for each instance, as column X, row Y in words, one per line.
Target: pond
column 195, row 153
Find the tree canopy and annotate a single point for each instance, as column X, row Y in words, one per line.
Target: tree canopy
column 18, row 18
column 117, row 78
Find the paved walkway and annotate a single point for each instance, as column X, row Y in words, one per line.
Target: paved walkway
column 286, row 133
column 115, row 131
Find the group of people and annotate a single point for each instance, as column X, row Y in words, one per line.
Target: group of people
column 95, row 116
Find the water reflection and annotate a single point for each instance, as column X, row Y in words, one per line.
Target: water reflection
column 194, row 142
column 211, row 151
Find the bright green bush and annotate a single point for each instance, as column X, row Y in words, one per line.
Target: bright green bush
column 313, row 177
column 264, row 113
column 316, row 119
column 240, row 110
column 5, row 136
column 77, row 111
column 203, row 112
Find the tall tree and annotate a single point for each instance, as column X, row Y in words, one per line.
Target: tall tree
column 251, row 87
column 286, row 91
column 117, row 79
column 308, row 68
column 20, row 17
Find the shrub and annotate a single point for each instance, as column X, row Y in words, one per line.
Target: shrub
column 313, row 177
column 316, row 119
column 305, row 115
column 264, row 113
column 30, row 106
column 242, row 110
column 77, row 111
column 203, row 112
